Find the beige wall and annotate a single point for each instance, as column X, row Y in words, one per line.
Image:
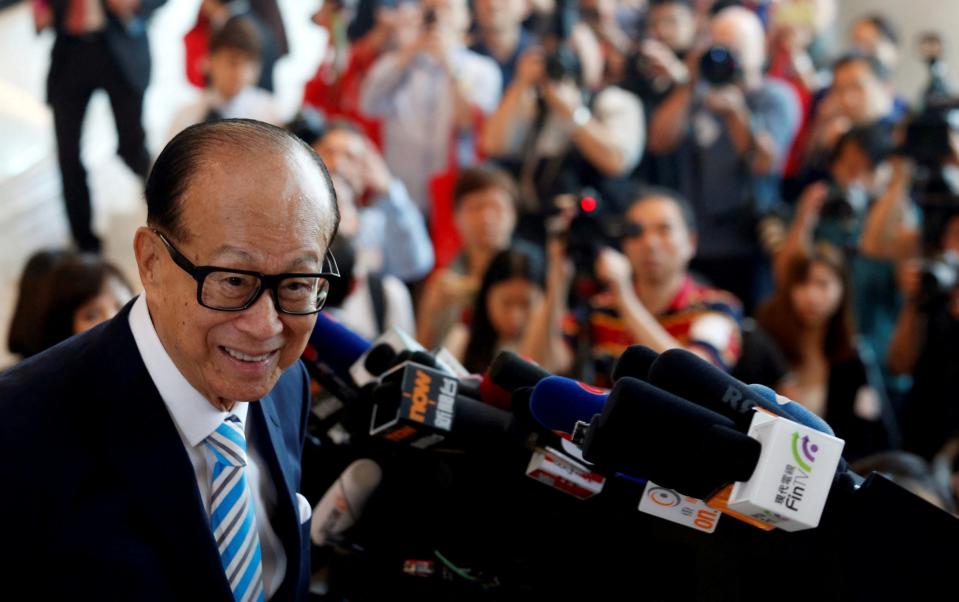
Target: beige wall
column 910, row 17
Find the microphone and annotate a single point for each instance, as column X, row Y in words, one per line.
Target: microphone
column 689, row 376
column 343, row 503
column 634, row 362
column 384, row 351
column 330, row 352
column 645, row 431
column 511, row 372
column 419, row 405
column 558, row 403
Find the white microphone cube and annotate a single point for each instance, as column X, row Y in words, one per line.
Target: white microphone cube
column 791, row 482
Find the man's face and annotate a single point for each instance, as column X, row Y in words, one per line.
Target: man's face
column 741, row 32
column 862, row 96
column 451, row 15
column 342, row 151
column 664, row 246
column 486, row 219
column 852, row 166
column 266, row 211
column 673, row 25
column 500, row 15
column 232, row 71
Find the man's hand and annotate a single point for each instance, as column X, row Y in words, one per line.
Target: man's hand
column 123, row 8
column 726, row 101
column 661, row 61
column 530, row 68
column 376, row 175
column 613, row 269
column 562, row 97
column 810, row 203
column 42, row 16
column 910, row 279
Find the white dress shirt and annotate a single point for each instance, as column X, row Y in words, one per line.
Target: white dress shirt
column 195, row 420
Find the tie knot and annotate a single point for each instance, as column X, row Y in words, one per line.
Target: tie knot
column 228, row 442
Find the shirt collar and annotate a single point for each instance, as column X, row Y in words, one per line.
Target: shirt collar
column 195, row 417
column 681, row 298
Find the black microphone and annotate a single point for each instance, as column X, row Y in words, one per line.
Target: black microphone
column 689, row 376
column 646, row 432
column 511, row 372
column 421, row 406
column 634, row 362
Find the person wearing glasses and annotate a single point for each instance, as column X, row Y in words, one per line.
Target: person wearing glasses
column 157, row 456
column 648, row 295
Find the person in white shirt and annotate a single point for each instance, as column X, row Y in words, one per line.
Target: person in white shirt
column 430, row 95
column 234, row 69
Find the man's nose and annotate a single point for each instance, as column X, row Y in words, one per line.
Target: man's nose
column 261, row 320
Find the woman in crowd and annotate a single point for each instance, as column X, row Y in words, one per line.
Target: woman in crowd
column 511, row 291
column 810, row 319
column 84, row 290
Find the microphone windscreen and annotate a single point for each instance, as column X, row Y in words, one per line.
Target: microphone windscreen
column 512, row 372
column 689, row 376
column 379, row 359
column 343, row 503
column 423, row 358
column 796, row 412
column 558, row 403
column 634, row 362
column 647, row 432
column 336, row 345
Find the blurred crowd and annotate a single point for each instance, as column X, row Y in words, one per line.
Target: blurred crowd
column 567, row 178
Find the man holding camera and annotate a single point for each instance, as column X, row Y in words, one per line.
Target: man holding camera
column 732, row 130
column 649, row 297
column 430, row 94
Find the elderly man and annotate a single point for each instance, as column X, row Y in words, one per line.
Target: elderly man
column 157, row 456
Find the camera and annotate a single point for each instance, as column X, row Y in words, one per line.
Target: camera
column 719, row 67
column 588, row 232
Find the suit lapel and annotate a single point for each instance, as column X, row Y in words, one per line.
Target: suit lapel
column 146, row 450
column 269, row 441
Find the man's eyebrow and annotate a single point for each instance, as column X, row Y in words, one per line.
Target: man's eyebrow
column 227, row 251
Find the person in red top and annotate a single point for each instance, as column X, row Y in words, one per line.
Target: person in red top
column 649, row 297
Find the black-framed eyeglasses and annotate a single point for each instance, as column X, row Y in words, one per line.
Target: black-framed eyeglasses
column 229, row 289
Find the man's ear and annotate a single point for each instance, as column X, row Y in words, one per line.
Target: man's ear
column 146, row 247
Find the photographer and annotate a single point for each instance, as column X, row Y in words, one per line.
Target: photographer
column 926, row 344
column 658, row 65
column 732, row 129
column 430, row 94
column 650, row 298
column 558, row 137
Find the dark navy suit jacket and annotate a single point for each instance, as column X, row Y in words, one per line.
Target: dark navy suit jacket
column 98, row 498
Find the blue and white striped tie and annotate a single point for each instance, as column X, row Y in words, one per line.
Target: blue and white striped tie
column 231, row 512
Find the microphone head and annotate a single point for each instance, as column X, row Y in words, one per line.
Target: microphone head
column 558, row 403
column 335, row 344
column 634, row 362
column 494, row 394
column 423, row 358
column 379, row 359
column 512, row 372
column 365, row 473
column 687, row 375
column 796, row 412
column 647, row 432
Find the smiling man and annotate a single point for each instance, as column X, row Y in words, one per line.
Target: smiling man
column 158, row 455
